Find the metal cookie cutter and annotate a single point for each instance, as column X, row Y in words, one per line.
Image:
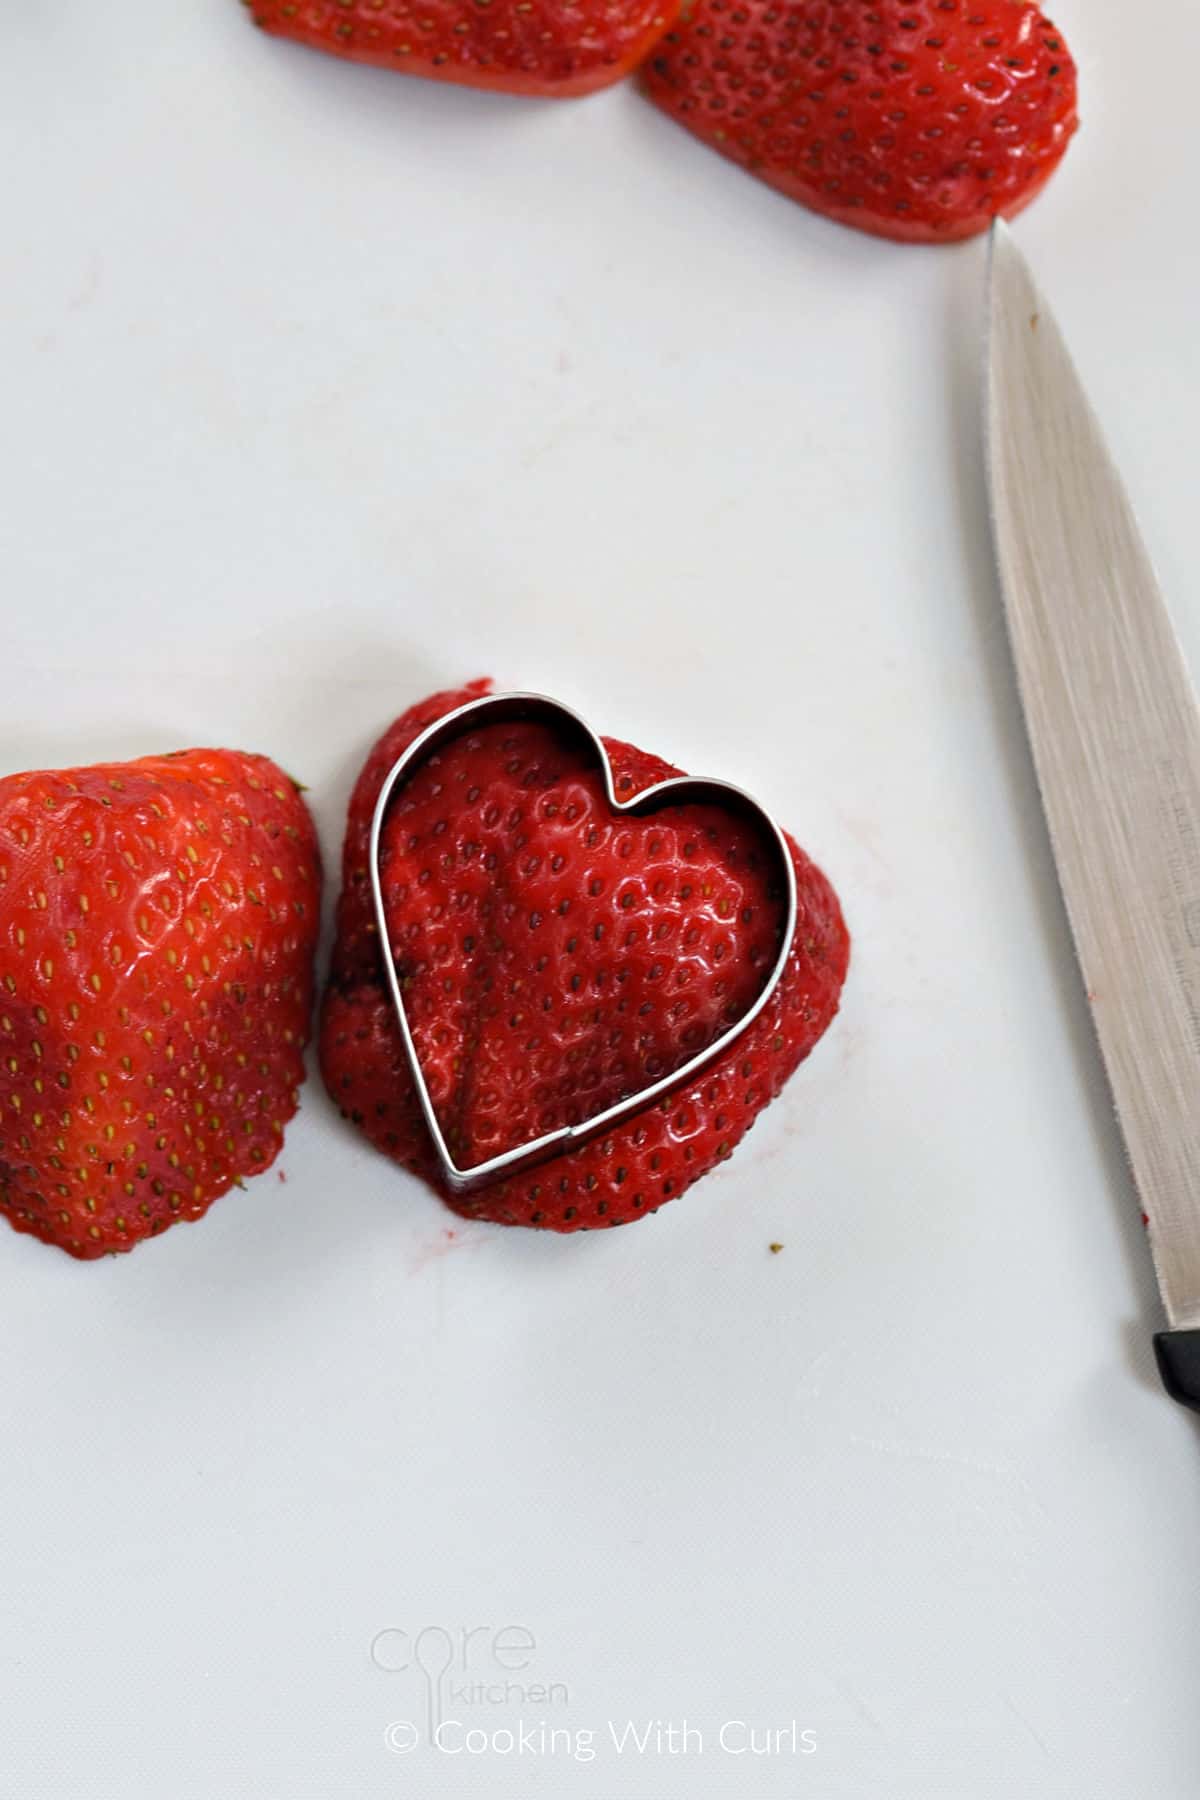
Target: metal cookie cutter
column 676, row 791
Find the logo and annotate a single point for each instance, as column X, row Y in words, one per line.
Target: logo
column 459, row 1677
column 463, row 1666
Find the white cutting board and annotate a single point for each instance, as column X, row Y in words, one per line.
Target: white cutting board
column 323, row 388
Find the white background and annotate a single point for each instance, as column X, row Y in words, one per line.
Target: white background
column 321, row 388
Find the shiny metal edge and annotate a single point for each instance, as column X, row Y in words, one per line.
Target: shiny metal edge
column 675, row 791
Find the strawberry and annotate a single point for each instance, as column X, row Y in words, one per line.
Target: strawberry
column 157, row 926
column 553, row 47
column 556, row 957
column 914, row 119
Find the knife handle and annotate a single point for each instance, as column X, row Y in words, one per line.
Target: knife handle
column 1178, row 1354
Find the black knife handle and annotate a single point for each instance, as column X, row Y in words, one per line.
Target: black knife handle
column 1178, row 1354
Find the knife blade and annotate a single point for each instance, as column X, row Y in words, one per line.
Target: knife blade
column 1115, row 733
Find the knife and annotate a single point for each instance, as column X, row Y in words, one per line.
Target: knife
column 1115, row 733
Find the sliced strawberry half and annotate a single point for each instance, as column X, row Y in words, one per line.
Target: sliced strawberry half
column 556, row 957
column 546, row 47
column 920, row 121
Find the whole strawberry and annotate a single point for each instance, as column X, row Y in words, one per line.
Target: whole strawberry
column 552, row 47
column 920, row 121
column 555, row 957
column 157, row 926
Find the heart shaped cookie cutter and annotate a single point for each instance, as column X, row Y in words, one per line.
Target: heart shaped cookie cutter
column 677, row 790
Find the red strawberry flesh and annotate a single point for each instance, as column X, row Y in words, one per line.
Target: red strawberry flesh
column 920, row 121
column 548, row 47
column 558, row 957
column 496, row 1081
column 157, row 927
